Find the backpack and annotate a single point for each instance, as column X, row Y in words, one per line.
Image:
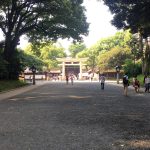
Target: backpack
column 125, row 81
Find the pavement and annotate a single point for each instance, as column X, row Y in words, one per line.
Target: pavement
column 56, row 116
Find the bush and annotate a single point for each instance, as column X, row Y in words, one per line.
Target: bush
column 132, row 69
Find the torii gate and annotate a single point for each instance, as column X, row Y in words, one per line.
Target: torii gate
column 72, row 65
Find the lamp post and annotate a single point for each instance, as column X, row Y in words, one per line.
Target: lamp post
column 117, row 71
column 33, row 69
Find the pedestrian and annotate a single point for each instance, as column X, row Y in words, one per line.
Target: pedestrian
column 146, row 83
column 67, row 79
column 136, row 85
column 71, row 78
column 102, row 81
column 125, row 84
column 91, row 77
column 30, row 78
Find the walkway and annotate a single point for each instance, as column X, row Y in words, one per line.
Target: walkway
column 56, row 116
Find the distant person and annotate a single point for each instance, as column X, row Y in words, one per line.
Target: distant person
column 30, row 78
column 71, row 78
column 136, row 85
column 91, row 77
column 67, row 79
column 146, row 83
column 125, row 84
column 102, row 81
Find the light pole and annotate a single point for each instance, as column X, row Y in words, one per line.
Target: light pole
column 117, row 71
column 33, row 68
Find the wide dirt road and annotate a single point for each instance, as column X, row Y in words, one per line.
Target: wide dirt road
column 56, row 116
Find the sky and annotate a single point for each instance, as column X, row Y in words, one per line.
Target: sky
column 99, row 17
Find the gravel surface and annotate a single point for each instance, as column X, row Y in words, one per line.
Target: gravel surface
column 56, row 116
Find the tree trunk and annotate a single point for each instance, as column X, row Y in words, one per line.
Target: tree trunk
column 10, row 57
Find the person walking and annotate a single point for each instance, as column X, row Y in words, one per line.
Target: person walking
column 146, row 83
column 102, row 81
column 71, row 78
column 67, row 79
column 125, row 84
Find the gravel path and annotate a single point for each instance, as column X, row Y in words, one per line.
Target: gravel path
column 56, row 116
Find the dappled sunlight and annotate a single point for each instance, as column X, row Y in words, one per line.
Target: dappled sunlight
column 138, row 144
column 28, row 98
column 14, row 99
column 79, row 97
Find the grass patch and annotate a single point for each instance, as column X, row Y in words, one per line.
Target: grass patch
column 140, row 78
column 6, row 85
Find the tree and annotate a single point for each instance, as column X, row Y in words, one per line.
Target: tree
column 28, row 60
column 74, row 49
column 47, row 52
column 48, row 19
column 134, row 15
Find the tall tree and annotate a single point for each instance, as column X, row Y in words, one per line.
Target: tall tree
column 49, row 19
column 134, row 15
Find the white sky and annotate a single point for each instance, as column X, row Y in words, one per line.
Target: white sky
column 99, row 18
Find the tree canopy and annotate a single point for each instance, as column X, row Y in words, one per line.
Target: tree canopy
column 74, row 49
column 40, row 19
column 47, row 52
column 134, row 15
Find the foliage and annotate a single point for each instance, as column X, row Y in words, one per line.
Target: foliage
column 40, row 19
column 48, row 53
column 132, row 69
column 114, row 51
column 109, row 52
column 28, row 60
column 76, row 48
column 140, row 77
column 133, row 15
column 11, row 84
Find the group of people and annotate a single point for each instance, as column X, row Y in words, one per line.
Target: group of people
column 71, row 77
column 126, row 83
column 136, row 84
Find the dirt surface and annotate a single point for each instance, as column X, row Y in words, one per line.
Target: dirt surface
column 56, row 116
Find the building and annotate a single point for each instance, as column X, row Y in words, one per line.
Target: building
column 76, row 66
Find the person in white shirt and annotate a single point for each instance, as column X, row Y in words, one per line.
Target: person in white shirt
column 147, row 83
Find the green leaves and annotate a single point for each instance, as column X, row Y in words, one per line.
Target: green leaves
column 74, row 49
